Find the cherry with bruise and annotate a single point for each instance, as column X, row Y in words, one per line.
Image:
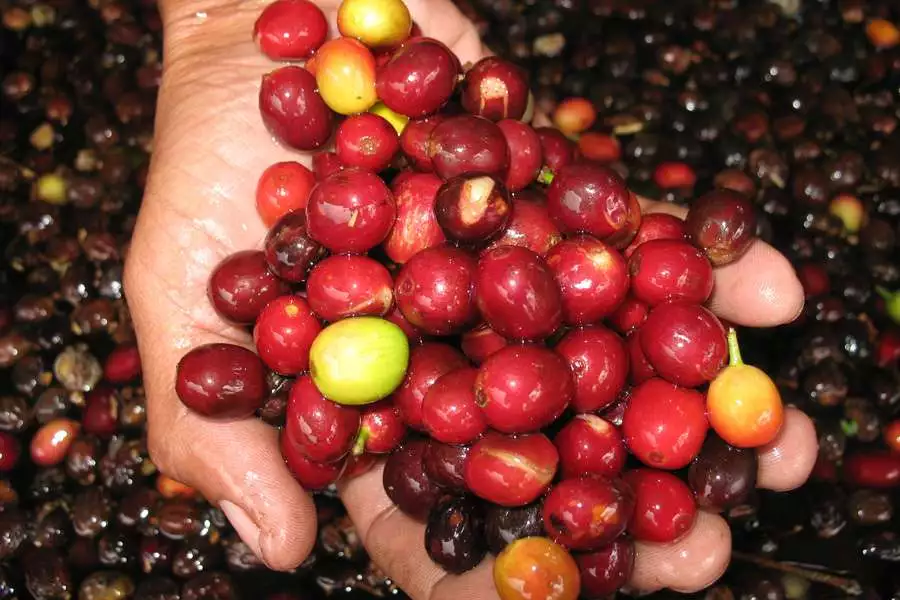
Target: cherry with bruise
column 416, row 227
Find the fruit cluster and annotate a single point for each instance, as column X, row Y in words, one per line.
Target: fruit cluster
column 483, row 301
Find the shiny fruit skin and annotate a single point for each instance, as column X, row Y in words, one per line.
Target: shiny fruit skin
column 495, row 89
column 284, row 333
column 289, row 250
column 325, row 163
column 444, row 464
column 406, row 482
column 657, row 226
column 383, row 428
column 468, row 145
column 685, row 343
column 525, row 154
column 349, row 285
column 524, row 388
column 592, row 278
column 535, row 568
column 558, row 150
column 664, row 425
column 123, row 364
column 599, row 147
column 418, row 79
column 241, row 285
column 322, row 430
column 345, row 74
column 10, row 451
column 504, row 525
column 435, row 289
column 427, row 363
column 397, row 121
column 51, row 442
column 574, row 115
column 606, row 569
column 450, row 413
column 744, row 406
column 100, row 415
column 472, row 209
column 366, row 141
column 530, row 225
column 414, row 141
column 416, row 227
column 282, row 188
column 311, row 475
column 664, row 508
column 723, row 224
column 511, row 471
column 375, row 350
column 722, row 476
column 221, row 380
column 293, row 110
column 588, row 512
column 350, row 211
column 454, row 536
column 598, row 360
column 630, row 315
column 517, row 293
column 375, row 23
column 666, row 270
column 640, row 369
column 590, row 445
column 590, row 199
column 480, row 342
column 290, row 29
column 873, row 469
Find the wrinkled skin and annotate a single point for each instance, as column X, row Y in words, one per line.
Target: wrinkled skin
column 210, row 148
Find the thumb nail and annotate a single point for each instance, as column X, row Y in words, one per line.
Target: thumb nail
column 243, row 525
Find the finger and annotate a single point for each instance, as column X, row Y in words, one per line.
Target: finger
column 692, row 563
column 760, row 289
column 786, row 463
column 442, row 20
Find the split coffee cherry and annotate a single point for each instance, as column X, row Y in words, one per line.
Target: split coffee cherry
column 416, row 227
column 587, row 513
column 664, row 508
column 511, row 471
column 496, row 89
column 221, row 380
column 284, row 333
column 744, row 404
column 472, row 209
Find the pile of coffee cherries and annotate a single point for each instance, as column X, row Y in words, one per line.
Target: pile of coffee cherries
column 479, row 301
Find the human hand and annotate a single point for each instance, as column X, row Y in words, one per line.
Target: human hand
column 199, row 208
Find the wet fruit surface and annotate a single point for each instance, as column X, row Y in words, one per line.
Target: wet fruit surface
column 221, row 380
column 284, row 333
column 293, row 110
column 511, row 471
column 590, row 445
column 450, row 412
column 722, row 476
column 605, row 570
column 322, row 430
column 588, row 512
column 535, row 567
column 664, row 507
column 242, row 284
column 406, row 482
column 454, row 536
column 290, row 29
column 598, row 361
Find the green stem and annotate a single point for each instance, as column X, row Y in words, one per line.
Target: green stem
column 545, row 176
column 891, row 302
column 359, row 447
column 734, row 351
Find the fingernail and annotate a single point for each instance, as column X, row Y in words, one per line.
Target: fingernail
column 244, row 525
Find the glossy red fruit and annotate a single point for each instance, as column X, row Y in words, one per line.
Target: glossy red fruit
column 558, row 150
column 588, row 512
column 685, row 343
column 416, row 227
column 242, row 284
column 630, row 315
column 282, row 188
column 123, row 364
column 599, row 147
column 592, row 199
column 665, row 425
column 598, row 360
column 350, row 211
column 426, row 364
column 284, row 333
column 496, row 89
column 418, row 79
column 657, row 226
column 664, row 506
column 51, row 442
column 406, row 482
column 664, row 270
column 723, row 224
column 607, row 569
column 414, row 141
column 511, row 471
column 517, row 293
column 366, row 141
column 640, row 369
column 450, row 413
column 221, row 380
column 381, row 429
column 293, row 110
column 480, row 342
column 322, row 430
column 435, row 290
column 310, row 475
column 525, row 154
column 472, row 209
column 289, row 250
column 874, row 469
column 523, row 388
column 349, row 285
column 326, row 163
column 592, row 278
column 673, row 175
column 530, row 225
column 466, row 144
column 444, row 464
column 412, row 334
column 10, row 451
column 590, row 445
column 290, row 29
column 100, row 415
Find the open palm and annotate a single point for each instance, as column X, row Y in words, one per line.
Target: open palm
column 210, row 148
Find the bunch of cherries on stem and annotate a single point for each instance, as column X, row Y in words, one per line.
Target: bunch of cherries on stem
column 486, row 306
